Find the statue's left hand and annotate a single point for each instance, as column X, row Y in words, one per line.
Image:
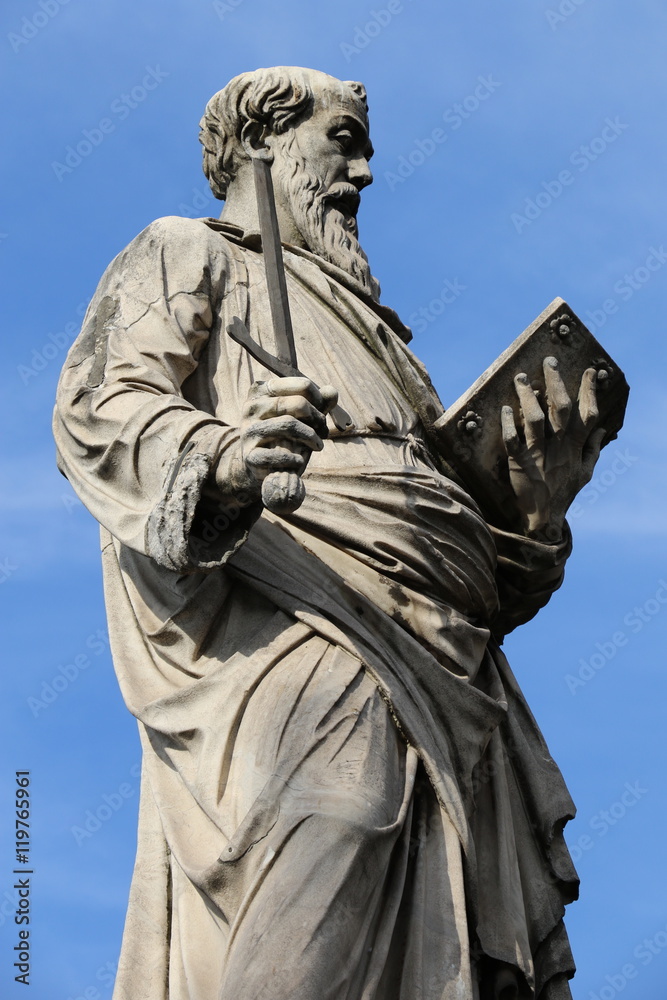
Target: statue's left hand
column 556, row 454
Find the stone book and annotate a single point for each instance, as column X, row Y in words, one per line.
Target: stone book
column 470, row 429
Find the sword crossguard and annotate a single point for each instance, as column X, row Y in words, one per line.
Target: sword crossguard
column 238, row 331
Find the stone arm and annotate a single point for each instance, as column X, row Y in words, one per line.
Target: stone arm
column 529, row 571
column 139, row 455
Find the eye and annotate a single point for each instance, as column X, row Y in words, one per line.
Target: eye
column 344, row 138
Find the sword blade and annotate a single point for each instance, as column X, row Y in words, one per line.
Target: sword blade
column 273, row 261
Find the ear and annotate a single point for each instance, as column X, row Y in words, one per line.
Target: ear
column 256, row 142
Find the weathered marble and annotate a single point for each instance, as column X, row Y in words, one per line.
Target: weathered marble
column 344, row 794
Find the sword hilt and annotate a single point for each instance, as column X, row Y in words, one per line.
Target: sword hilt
column 283, row 492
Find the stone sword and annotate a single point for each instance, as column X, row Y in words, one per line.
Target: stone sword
column 282, row 492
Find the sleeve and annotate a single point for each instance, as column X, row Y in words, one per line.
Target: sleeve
column 528, row 572
column 137, row 453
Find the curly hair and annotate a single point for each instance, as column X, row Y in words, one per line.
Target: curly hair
column 277, row 98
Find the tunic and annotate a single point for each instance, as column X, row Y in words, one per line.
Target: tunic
column 344, row 794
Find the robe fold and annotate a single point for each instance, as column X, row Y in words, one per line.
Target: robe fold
column 344, row 794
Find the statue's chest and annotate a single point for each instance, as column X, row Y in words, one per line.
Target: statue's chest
column 336, row 342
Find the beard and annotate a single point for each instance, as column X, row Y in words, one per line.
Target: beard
column 326, row 218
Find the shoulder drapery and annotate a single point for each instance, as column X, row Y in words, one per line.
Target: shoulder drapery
column 136, row 451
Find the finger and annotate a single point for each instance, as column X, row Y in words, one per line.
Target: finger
column 266, row 407
column 591, row 452
column 296, row 387
column 301, row 409
column 263, row 461
column 587, row 400
column 511, row 438
column 329, row 398
column 533, row 415
column 257, row 390
column 525, row 477
column 286, row 428
column 558, row 399
column 520, row 459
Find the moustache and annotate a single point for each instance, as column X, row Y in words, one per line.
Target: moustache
column 344, row 197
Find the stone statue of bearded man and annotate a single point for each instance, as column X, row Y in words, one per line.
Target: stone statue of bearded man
column 344, row 794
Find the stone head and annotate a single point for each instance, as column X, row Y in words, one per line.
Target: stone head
column 313, row 128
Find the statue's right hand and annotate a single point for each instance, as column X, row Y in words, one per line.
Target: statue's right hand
column 284, row 422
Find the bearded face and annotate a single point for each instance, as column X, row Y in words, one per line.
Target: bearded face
column 325, row 217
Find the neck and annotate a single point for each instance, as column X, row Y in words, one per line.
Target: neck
column 241, row 210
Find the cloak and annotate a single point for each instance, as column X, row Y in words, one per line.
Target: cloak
column 344, row 794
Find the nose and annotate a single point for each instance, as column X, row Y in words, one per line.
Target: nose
column 359, row 172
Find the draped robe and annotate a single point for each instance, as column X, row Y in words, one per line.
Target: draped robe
column 344, row 794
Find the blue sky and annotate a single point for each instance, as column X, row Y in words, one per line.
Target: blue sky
column 574, row 88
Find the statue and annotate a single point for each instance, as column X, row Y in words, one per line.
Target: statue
column 344, row 794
